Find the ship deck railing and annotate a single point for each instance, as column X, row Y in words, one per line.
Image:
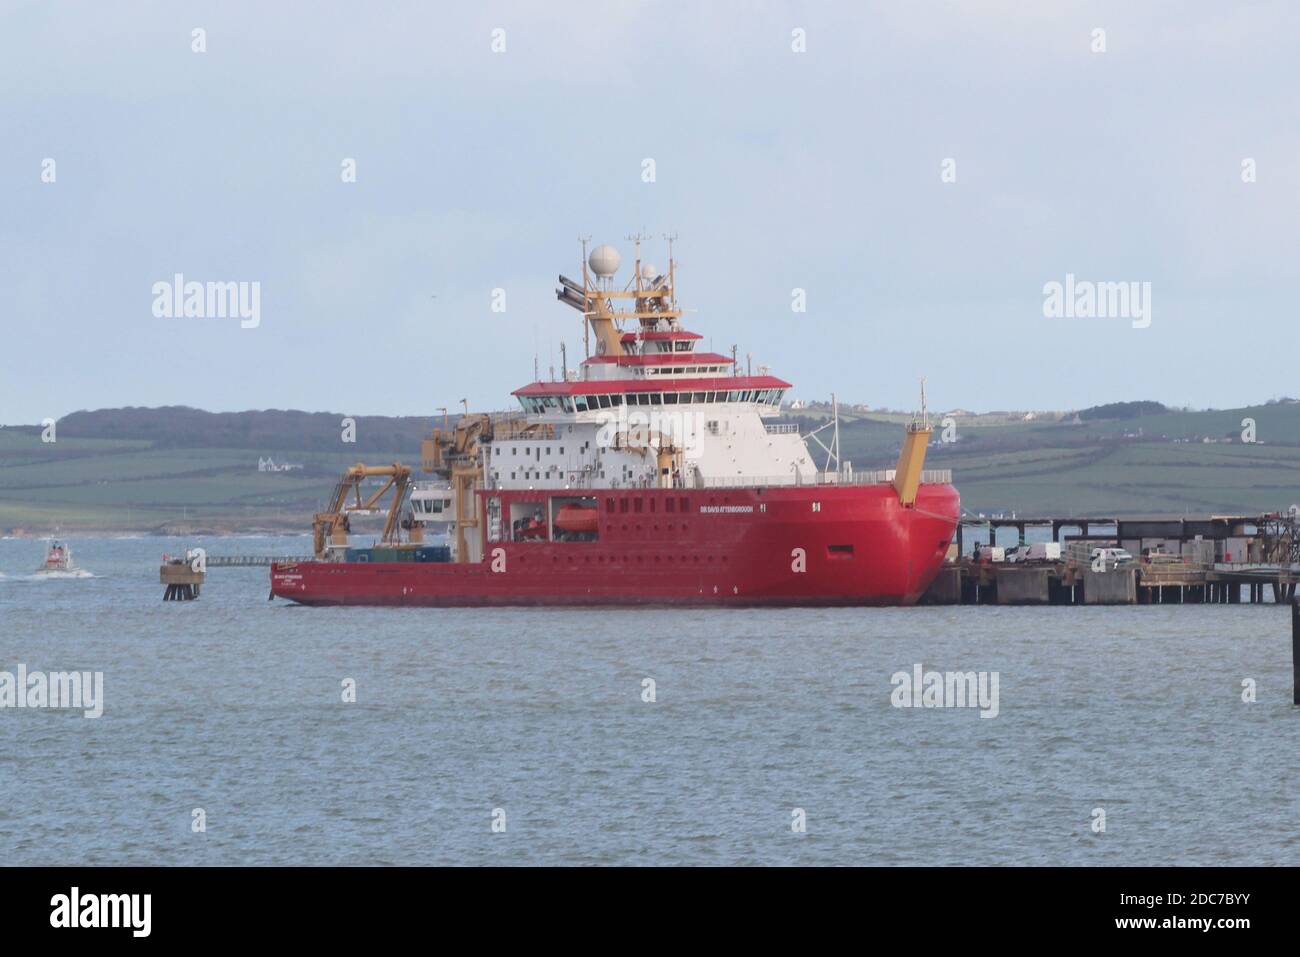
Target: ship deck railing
column 873, row 477
column 584, row 481
column 252, row 561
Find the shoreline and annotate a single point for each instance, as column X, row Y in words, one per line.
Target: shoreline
column 188, row 531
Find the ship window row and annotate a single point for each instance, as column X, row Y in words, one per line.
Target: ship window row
column 551, row 473
column 430, row 505
column 684, row 370
column 650, row 348
column 638, row 504
column 543, row 403
column 592, row 403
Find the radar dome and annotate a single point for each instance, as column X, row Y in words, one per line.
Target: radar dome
column 604, row 261
column 648, row 271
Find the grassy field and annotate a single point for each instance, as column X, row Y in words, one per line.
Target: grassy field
column 86, row 484
column 1144, row 465
column 1155, row 463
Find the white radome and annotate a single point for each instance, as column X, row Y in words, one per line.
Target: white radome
column 648, row 271
column 604, row 261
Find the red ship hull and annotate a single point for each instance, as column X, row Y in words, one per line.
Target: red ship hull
column 821, row 545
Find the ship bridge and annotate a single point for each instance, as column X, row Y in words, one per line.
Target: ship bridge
column 645, row 407
column 657, row 341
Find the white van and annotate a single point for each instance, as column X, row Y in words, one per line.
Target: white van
column 1043, row 552
column 1103, row 558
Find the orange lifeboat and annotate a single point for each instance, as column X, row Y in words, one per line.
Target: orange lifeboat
column 576, row 518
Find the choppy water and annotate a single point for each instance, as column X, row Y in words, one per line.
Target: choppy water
column 233, row 704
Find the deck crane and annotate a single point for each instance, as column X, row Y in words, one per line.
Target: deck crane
column 330, row 528
column 457, row 452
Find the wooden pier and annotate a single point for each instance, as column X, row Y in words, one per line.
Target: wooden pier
column 182, row 581
column 1218, row 559
column 1068, row 582
column 184, row 576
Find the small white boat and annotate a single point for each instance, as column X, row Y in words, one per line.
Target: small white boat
column 58, row 560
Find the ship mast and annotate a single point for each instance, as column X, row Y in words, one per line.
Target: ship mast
column 586, row 284
column 653, row 297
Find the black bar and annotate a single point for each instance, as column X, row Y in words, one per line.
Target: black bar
column 338, row 906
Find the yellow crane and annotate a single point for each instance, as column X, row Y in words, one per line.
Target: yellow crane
column 456, row 452
column 331, row 526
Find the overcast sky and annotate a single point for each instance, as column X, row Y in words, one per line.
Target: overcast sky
column 476, row 170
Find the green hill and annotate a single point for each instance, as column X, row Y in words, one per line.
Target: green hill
column 1143, row 459
column 179, row 468
column 183, row 469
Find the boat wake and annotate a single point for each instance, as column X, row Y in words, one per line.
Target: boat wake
column 50, row 576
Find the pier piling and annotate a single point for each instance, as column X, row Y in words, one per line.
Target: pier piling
column 183, row 582
column 1295, row 652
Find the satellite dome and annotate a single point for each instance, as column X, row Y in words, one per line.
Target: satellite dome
column 604, row 261
column 648, row 271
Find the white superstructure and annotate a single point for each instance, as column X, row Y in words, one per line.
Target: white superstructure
column 647, row 409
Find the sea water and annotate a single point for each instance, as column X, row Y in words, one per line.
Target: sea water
column 1137, row 735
